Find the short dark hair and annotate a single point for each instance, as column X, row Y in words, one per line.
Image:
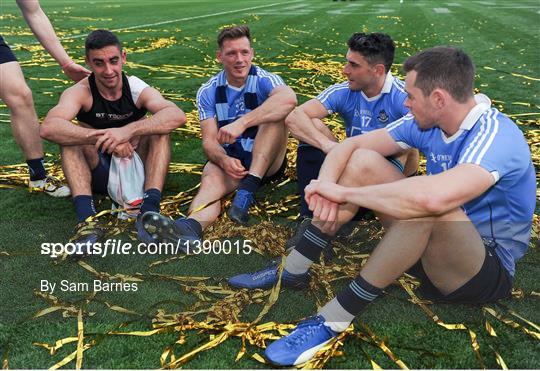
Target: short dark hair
column 444, row 67
column 99, row 39
column 375, row 48
column 231, row 33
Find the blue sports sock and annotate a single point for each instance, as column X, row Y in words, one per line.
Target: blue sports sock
column 84, row 207
column 151, row 200
column 357, row 295
column 36, row 169
column 250, row 183
column 308, row 163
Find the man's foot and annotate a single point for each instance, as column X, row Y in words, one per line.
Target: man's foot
column 301, row 344
column 51, row 186
column 85, row 236
column 163, row 229
column 268, row 277
column 238, row 212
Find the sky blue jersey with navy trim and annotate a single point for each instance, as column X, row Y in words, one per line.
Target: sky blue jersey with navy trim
column 362, row 114
column 491, row 140
column 206, row 98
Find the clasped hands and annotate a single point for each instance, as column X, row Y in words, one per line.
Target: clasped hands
column 324, row 198
column 116, row 141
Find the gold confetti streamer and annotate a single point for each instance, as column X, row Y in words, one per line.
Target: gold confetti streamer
column 80, row 341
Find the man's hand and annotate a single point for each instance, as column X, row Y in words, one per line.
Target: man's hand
column 323, row 199
column 75, row 71
column 229, row 133
column 109, row 139
column 124, row 150
column 329, row 190
column 233, row 167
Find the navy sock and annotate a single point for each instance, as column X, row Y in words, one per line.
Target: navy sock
column 151, row 200
column 250, row 183
column 312, row 242
column 84, row 207
column 357, row 295
column 195, row 226
column 308, row 163
column 36, row 169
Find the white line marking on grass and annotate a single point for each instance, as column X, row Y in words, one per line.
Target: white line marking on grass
column 441, row 10
column 189, row 18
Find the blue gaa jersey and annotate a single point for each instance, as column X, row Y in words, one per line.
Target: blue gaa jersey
column 206, row 99
column 362, row 114
column 504, row 213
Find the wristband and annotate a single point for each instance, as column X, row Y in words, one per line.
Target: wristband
column 66, row 65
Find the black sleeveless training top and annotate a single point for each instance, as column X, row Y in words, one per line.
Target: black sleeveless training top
column 106, row 114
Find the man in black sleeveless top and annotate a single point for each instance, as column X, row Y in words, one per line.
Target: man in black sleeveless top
column 111, row 110
column 17, row 96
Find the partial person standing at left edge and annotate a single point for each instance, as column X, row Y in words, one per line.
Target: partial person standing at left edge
column 17, row 96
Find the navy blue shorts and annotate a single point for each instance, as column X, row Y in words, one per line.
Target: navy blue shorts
column 491, row 283
column 6, row 55
column 100, row 174
column 237, row 151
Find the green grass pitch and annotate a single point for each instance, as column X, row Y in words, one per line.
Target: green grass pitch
column 171, row 45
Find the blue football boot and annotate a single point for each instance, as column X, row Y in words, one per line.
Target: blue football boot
column 268, row 277
column 165, row 230
column 301, row 344
column 238, row 212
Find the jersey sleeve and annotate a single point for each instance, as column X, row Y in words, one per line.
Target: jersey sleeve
column 498, row 146
column 206, row 102
column 405, row 132
column 267, row 82
column 333, row 97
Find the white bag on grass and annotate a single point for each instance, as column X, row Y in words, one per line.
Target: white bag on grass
column 126, row 184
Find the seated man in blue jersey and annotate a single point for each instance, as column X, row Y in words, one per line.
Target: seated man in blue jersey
column 370, row 99
column 111, row 111
column 241, row 110
column 460, row 229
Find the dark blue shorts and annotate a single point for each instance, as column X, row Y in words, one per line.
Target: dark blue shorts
column 6, row 55
column 100, row 174
column 491, row 283
column 237, row 151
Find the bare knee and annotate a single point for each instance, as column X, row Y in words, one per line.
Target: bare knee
column 291, row 121
column 20, row 97
column 365, row 162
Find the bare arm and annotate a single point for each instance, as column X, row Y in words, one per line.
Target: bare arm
column 279, row 104
column 336, row 160
column 216, row 153
column 44, row 31
column 306, row 125
column 414, row 197
column 57, row 126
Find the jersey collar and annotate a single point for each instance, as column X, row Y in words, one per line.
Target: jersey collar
column 387, row 87
column 483, row 103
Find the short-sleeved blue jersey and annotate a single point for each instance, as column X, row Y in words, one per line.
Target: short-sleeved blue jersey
column 362, row 114
column 491, row 140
